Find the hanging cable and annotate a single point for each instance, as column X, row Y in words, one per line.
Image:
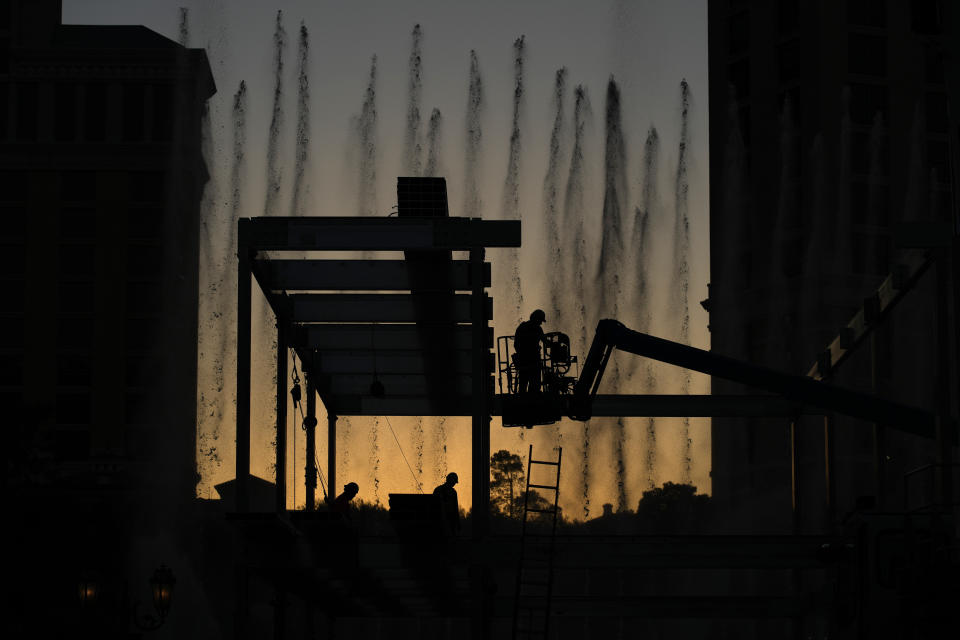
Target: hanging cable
column 403, row 455
column 323, row 480
column 296, row 394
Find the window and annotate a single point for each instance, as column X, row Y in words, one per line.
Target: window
column 147, row 186
column 143, row 298
column 743, row 116
column 866, row 101
column 162, row 113
column 868, row 203
column 937, row 112
column 938, row 159
column 4, row 109
column 75, row 333
column 78, row 186
column 739, row 76
column 135, row 408
column 867, row 13
column 12, row 297
column 95, row 112
column 65, row 108
column 145, row 223
column 14, row 185
column 77, row 260
column 739, row 33
column 11, row 332
column 868, row 153
column 73, row 408
column 867, row 54
column 27, row 110
column 144, row 261
column 141, row 371
column 789, row 60
column 140, row 334
column 74, row 370
column 11, row 260
column 76, row 297
column 871, row 254
column 13, row 222
column 78, row 223
column 925, row 16
column 134, row 113
column 11, row 369
column 788, row 16
column 933, row 69
column 72, row 444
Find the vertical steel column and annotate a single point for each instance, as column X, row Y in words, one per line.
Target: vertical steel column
column 480, row 441
column 829, row 479
column 243, row 367
column 241, row 616
column 310, row 469
column 795, row 473
column 281, row 457
column 944, row 428
column 879, row 454
column 331, row 454
column 481, row 421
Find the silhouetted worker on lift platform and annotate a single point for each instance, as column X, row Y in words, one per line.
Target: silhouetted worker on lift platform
column 341, row 504
column 526, row 344
column 449, row 506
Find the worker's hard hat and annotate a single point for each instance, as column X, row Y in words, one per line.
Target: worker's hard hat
column 351, row 486
column 452, row 476
column 538, row 315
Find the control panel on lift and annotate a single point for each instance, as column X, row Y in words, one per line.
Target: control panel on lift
column 547, row 404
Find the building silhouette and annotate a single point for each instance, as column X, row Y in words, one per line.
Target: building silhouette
column 101, row 177
column 829, row 130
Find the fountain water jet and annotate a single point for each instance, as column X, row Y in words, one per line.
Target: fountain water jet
column 642, row 246
column 511, row 186
column 434, row 139
column 551, row 187
column 411, row 141
column 680, row 285
column 572, row 239
column 366, row 132
column 301, row 157
column 276, row 119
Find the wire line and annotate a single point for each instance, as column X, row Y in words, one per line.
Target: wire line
column 403, row 455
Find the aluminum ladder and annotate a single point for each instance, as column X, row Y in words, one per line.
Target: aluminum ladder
column 534, row 588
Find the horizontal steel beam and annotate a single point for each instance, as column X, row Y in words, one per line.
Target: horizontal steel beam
column 394, row 361
column 382, row 337
column 799, row 389
column 350, row 384
column 905, row 275
column 375, row 233
column 360, row 275
column 382, row 307
column 693, row 406
column 665, row 607
column 659, row 406
column 364, row 404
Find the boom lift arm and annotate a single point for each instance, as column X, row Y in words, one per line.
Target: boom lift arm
column 614, row 335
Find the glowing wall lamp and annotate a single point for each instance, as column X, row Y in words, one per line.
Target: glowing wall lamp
column 88, row 591
column 161, row 585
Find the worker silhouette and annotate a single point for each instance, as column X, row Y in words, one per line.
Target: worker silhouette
column 449, row 506
column 526, row 344
column 341, row 504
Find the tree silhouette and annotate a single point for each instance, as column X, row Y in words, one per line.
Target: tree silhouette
column 506, row 470
column 672, row 508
